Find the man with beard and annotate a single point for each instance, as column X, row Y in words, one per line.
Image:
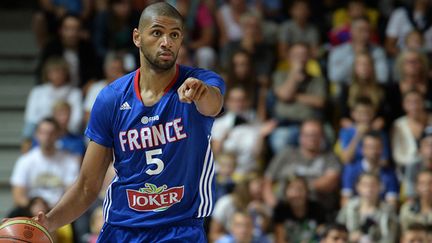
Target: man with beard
column 155, row 124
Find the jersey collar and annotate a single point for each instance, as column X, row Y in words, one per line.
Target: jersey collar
column 137, row 78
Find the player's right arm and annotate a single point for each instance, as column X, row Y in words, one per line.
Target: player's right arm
column 85, row 190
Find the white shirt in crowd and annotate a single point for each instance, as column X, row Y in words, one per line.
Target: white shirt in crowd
column 46, row 177
column 43, row 97
column 92, row 94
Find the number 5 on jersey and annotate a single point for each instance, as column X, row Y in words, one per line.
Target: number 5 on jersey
column 151, row 160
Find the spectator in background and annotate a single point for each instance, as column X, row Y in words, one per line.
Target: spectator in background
column 411, row 68
column 241, row 72
column 320, row 168
column 424, row 163
column 416, row 16
column 226, row 165
column 43, row 97
column 341, row 58
column 44, row 171
column 113, row 69
column 296, row 217
column 47, row 19
column 241, row 230
column 335, row 233
column 247, row 196
column 254, row 42
column 342, row 20
column 228, row 21
column 371, row 163
column 364, row 84
column 112, row 31
column 299, row 96
column 351, row 137
column 298, row 29
column 415, row 233
column 419, row 210
column 201, row 28
column 408, row 129
column 96, row 223
column 367, row 218
column 78, row 53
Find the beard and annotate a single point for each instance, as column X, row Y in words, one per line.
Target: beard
column 158, row 64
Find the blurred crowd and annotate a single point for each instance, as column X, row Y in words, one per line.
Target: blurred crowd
column 327, row 129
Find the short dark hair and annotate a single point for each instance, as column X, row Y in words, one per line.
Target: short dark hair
column 49, row 120
column 416, row 227
column 160, row 9
column 374, row 134
column 363, row 100
column 333, row 226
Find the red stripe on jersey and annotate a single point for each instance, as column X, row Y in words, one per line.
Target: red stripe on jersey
column 136, row 85
column 173, row 81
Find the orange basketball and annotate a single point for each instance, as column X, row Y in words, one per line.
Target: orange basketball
column 21, row 229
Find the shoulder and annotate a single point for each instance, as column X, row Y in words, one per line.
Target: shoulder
column 29, row 156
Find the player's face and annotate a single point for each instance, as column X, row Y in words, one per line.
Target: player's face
column 159, row 42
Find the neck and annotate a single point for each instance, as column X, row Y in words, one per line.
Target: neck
column 48, row 151
column 155, row 80
column 309, row 154
column 417, row 117
column 368, row 203
column 374, row 165
column 427, row 163
column 425, row 204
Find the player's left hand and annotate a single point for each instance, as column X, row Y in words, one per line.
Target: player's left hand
column 192, row 90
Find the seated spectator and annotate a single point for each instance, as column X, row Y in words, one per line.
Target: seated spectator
column 320, row 168
column 412, row 68
column 351, row 137
column 298, row 29
column 44, row 171
column 43, row 97
column 416, row 16
column 371, row 162
column 248, row 196
column 298, row 97
column 418, row 211
column 78, row 53
column 424, row 163
column 367, row 218
column 254, row 42
column 296, row 217
column 341, row 58
column 228, row 21
column 364, row 84
column 408, row 129
column 335, row 233
column 112, row 30
column 47, row 19
column 237, row 132
column 415, row 233
column 343, row 17
column 241, row 72
column 201, row 30
column 96, row 223
column 241, row 230
column 113, row 69
column 226, row 164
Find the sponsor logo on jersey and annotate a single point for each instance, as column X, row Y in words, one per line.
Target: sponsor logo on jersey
column 146, row 119
column 154, row 199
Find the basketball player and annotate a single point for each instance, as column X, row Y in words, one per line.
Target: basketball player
column 155, row 125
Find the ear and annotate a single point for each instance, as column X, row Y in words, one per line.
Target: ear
column 136, row 37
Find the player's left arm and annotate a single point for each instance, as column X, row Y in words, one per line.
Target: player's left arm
column 207, row 98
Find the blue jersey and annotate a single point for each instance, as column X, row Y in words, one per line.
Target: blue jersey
column 162, row 157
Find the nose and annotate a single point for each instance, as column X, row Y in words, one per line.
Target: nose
column 166, row 41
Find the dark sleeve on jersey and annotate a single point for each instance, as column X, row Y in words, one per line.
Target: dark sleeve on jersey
column 99, row 128
column 210, row 78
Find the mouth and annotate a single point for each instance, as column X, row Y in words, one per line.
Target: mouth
column 166, row 55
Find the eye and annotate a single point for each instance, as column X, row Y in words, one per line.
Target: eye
column 175, row 35
column 156, row 33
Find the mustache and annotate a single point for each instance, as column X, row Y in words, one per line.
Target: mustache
column 159, row 53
